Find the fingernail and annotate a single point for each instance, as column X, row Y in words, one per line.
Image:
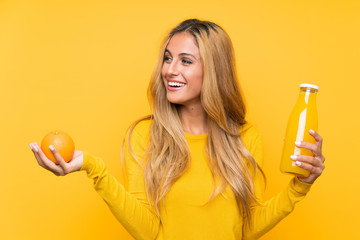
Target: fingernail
column 35, row 149
column 51, row 147
column 30, row 146
column 311, row 131
column 293, row 157
column 298, row 163
column 298, row 143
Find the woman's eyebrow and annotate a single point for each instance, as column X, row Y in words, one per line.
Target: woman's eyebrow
column 187, row 54
column 181, row 54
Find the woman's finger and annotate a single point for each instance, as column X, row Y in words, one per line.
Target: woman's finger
column 317, row 137
column 41, row 161
column 309, row 146
column 59, row 159
column 308, row 159
column 34, row 150
column 312, row 169
column 50, row 165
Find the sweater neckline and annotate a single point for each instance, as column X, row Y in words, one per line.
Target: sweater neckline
column 195, row 136
column 243, row 128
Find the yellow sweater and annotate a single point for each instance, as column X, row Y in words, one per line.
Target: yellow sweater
column 187, row 214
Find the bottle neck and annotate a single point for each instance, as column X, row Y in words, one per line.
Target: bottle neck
column 307, row 95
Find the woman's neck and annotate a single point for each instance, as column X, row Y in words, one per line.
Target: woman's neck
column 193, row 119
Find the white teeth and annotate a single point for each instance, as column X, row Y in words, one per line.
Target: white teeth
column 176, row 84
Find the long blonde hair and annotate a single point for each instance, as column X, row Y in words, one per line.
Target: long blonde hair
column 168, row 154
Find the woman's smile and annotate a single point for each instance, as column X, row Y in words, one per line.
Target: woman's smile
column 175, row 85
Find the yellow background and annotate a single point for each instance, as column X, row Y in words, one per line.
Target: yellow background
column 83, row 67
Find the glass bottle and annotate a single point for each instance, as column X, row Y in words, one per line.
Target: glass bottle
column 303, row 117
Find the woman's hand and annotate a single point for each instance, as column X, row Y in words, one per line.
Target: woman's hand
column 314, row 164
column 63, row 168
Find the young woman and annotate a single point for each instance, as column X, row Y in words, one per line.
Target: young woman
column 193, row 167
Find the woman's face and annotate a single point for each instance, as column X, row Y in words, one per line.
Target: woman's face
column 182, row 70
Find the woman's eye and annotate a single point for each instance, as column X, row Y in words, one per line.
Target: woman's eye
column 185, row 61
column 167, row 58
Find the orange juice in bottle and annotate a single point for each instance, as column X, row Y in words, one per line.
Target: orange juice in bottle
column 302, row 118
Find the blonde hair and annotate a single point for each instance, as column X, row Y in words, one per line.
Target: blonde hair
column 168, row 154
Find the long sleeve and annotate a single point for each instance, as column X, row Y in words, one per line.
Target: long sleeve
column 129, row 205
column 272, row 211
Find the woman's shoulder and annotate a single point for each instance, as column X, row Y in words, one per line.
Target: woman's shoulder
column 138, row 132
column 252, row 140
column 249, row 132
column 142, row 126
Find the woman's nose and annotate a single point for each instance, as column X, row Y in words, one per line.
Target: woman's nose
column 173, row 68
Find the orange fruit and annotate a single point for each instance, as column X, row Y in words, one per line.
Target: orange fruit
column 62, row 143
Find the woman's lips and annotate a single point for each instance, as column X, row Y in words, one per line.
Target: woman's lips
column 175, row 85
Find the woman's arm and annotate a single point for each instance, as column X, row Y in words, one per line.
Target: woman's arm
column 129, row 205
column 132, row 212
column 272, row 211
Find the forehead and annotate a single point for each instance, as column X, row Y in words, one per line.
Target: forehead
column 183, row 43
